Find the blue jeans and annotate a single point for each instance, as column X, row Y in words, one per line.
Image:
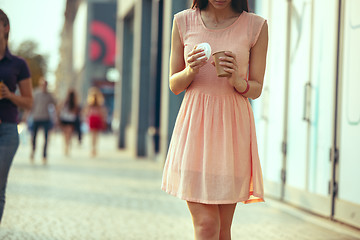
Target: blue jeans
column 9, row 142
column 46, row 125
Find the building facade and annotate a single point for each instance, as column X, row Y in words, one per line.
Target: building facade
column 88, row 50
column 145, row 109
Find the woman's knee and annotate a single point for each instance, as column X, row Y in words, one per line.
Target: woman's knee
column 206, row 219
column 208, row 226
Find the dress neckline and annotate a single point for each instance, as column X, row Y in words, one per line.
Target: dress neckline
column 216, row 29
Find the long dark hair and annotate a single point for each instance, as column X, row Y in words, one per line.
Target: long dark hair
column 5, row 21
column 71, row 100
column 237, row 5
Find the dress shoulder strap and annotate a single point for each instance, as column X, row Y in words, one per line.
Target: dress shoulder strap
column 255, row 24
column 183, row 21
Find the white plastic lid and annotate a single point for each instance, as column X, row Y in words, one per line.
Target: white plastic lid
column 207, row 49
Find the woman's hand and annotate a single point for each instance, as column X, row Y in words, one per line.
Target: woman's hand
column 193, row 61
column 231, row 66
column 5, row 92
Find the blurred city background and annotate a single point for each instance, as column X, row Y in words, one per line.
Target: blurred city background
column 307, row 119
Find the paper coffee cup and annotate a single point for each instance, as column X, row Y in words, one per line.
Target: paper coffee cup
column 219, row 68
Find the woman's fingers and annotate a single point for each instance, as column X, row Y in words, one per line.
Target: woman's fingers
column 196, row 58
column 230, row 54
column 196, row 53
column 230, row 57
column 5, row 92
column 229, row 70
column 227, row 59
column 197, row 64
column 230, row 65
column 229, row 62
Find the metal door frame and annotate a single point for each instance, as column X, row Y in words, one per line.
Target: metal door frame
column 342, row 210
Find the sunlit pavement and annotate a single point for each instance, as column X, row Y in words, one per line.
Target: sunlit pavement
column 114, row 196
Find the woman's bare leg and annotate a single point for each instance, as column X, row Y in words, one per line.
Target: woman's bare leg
column 226, row 218
column 67, row 135
column 206, row 220
column 94, row 135
column 66, row 149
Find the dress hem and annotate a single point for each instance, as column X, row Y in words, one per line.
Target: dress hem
column 245, row 200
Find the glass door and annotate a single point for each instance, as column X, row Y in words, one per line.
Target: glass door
column 310, row 110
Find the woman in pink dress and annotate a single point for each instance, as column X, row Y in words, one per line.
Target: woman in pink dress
column 96, row 116
column 212, row 160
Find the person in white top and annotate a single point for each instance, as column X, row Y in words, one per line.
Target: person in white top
column 67, row 115
column 41, row 113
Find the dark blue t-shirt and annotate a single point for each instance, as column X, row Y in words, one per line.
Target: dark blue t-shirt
column 12, row 70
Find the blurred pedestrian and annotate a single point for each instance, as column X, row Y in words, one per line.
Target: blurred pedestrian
column 213, row 161
column 14, row 73
column 41, row 114
column 95, row 113
column 78, row 123
column 68, row 112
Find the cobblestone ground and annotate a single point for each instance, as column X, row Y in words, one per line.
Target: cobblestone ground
column 116, row 197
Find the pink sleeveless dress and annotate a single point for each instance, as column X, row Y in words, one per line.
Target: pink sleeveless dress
column 213, row 156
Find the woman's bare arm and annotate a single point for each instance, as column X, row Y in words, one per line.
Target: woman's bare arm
column 25, row 99
column 181, row 76
column 257, row 65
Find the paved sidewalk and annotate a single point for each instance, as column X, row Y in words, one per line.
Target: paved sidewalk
column 115, row 197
